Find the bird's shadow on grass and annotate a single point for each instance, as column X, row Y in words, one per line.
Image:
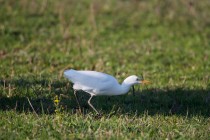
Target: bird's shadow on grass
column 178, row 101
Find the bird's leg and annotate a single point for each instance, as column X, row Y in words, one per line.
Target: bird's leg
column 77, row 101
column 92, row 105
column 133, row 90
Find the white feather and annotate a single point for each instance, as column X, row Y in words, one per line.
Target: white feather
column 90, row 80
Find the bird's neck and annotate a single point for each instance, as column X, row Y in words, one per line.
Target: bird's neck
column 123, row 89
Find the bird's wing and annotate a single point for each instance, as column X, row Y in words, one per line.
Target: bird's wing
column 91, row 79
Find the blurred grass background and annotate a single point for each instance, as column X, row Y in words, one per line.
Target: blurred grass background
column 166, row 41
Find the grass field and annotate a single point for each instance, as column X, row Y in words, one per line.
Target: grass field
column 166, row 41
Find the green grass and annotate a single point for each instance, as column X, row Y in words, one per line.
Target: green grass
column 117, row 126
column 166, row 41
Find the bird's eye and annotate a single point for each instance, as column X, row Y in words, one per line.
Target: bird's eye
column 137, row 79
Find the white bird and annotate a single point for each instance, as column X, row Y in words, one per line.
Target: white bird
column 97, row 83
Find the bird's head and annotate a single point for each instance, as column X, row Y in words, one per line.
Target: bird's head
column 133, row 80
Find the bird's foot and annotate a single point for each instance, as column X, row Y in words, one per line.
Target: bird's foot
column 98, row 116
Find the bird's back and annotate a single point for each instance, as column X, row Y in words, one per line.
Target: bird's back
column 91, row 81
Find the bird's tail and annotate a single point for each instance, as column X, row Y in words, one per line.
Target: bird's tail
column 69, row 73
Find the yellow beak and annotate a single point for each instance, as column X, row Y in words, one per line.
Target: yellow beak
column 145, row 82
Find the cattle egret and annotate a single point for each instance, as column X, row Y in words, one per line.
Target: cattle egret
column 97, row 83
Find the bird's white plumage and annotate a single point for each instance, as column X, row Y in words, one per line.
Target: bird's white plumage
column 92, row 82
